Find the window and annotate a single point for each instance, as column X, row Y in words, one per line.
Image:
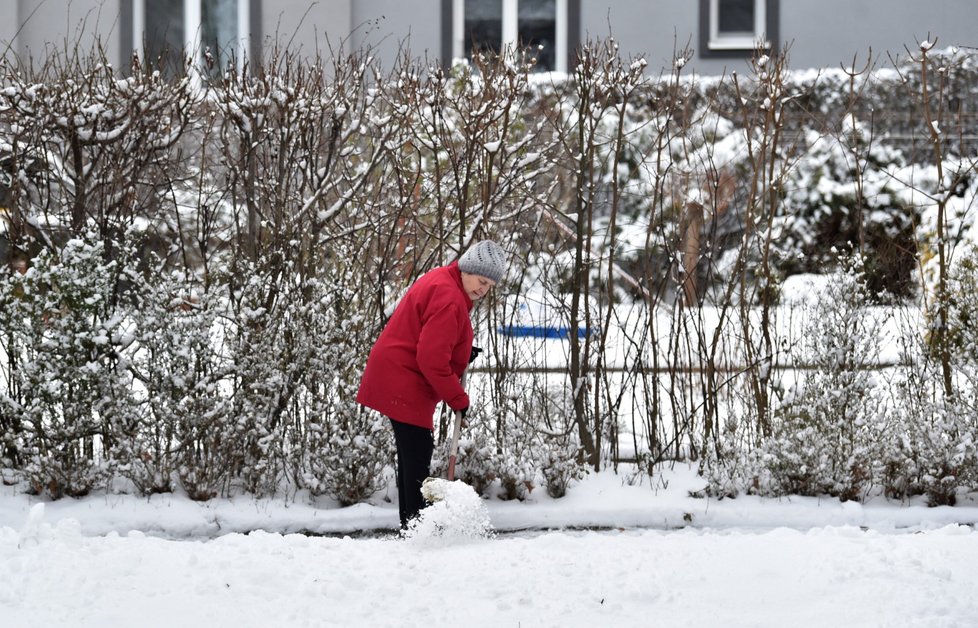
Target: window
column 497, row 24
column 483, row 26
column 536, row 25
column 216, row 30
column 737, row 25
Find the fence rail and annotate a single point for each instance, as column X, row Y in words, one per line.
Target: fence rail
column 549, row 370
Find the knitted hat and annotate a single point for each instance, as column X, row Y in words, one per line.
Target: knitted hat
column 485, row 259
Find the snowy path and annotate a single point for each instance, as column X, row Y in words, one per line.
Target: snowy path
column 829, row 576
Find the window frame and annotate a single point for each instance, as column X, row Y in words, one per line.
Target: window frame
column 716, row 44
column 566, row 24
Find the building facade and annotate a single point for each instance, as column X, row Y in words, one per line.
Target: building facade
column 722, row 34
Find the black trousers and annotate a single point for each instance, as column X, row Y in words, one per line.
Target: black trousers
column 414, row 448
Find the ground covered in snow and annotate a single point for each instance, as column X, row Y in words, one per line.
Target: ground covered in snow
column 609, row 554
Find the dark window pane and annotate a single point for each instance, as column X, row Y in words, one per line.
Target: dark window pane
column 164, row 36
column 735, row 16
column 538, row 26
column 483, row 25
column 537, row 10
column 219, row 33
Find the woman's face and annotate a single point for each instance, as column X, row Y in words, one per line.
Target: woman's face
column 476, row 286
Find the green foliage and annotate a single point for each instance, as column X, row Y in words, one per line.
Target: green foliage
column 936, row 452
column 344, row 449
column 962, row 336
column 842, row 195
column 69, row 391
column 183, row 411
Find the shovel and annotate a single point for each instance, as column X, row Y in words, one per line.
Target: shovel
column 433, row 488
column 455, row 509
column 456, row 432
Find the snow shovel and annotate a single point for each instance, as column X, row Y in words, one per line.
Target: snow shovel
column 455, row 509
column 435, row 489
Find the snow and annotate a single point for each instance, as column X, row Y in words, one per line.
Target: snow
column 456, row 512
column 618, row 550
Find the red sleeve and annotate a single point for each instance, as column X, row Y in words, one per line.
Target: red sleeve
column 439, row 335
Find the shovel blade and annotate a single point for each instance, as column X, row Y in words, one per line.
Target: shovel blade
column 434, row 489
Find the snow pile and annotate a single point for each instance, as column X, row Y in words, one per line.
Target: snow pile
column 31, row 528
column 456, row 513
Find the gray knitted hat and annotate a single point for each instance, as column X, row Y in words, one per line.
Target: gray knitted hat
column 485, row 259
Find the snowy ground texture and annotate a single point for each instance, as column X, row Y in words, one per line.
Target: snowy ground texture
column 652, row 557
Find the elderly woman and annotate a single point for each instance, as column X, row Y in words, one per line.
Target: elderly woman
column 419, row 358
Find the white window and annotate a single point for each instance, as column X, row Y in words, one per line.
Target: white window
column 738, row 24
column 500, row 24
column 215, row 30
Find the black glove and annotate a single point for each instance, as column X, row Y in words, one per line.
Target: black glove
column 463, row 412
column 475, row 353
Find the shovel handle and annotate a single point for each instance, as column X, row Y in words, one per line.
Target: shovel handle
column 453, row 449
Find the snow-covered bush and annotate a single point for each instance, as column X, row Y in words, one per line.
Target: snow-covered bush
column 515, row 462
column 344, row 449
column 90, row 149
column 541, row 421
column 69, row 390
column 512, row 447
column 475, row 463
column 962, row 300
column 516, row 422
column 183, row 410
column 263, row 347
column 558, row 456
column 540, row 431
column 730, row 465
column 828, row 432
column 842, row 193
column 935, row 452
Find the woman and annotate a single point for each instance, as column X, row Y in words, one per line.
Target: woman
column 419, row 359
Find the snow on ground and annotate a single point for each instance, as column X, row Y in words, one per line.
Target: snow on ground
column 658, row 558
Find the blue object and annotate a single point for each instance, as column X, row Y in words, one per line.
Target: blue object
column 540, row 331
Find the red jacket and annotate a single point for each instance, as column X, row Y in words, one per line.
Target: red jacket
column 420, row 356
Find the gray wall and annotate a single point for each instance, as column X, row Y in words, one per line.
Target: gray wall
column 650, row 28
column 9, row 26
column 308, row 26
column 349, row 25
column 45, row 23
column 818, row 33
column 828, row 33
column 386, row 25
